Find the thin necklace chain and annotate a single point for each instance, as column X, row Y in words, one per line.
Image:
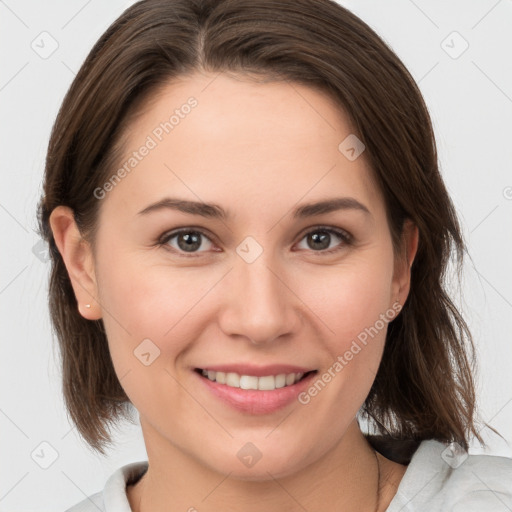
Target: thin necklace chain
column 378, row 485
column 378, row 481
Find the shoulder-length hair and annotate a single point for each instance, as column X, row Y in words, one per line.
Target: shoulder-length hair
column 424, row 387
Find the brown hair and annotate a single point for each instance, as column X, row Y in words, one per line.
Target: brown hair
column 424, row 387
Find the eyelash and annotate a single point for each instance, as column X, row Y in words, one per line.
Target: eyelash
column 343, row 235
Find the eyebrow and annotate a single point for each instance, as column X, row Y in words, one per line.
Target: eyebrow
column 214, row 211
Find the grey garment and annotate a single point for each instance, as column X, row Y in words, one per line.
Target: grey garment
column 439, row 478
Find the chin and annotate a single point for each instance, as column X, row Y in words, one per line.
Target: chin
column 261, row 468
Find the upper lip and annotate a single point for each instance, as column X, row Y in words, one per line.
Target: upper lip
column 257, row 371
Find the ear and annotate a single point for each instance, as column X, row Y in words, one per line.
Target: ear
column 78, row 258
column 402, row 273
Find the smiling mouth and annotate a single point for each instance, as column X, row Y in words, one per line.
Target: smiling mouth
column 265, row 383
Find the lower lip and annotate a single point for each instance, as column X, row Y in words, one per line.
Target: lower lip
column 254, row 401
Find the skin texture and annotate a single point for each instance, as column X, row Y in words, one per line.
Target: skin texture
column 258, row 150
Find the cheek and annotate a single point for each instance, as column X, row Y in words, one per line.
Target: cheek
column 355, row 308
column 149, row 313
column 143, row 300
column 354, row 297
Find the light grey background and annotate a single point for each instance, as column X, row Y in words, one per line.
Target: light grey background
column 469, row 94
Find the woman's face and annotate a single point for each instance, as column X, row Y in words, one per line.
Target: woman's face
column 266, row 288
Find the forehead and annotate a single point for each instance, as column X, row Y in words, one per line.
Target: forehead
column 214, row 135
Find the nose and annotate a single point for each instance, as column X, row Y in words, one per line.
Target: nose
column 258, row 303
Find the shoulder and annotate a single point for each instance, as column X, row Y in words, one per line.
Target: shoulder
column 443, row 477
column 113, row 497
column 480, row 481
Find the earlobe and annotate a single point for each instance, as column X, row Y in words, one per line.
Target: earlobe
column 78, row 259
column 402, row 278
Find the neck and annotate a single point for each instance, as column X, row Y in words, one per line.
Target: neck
column 346, row 478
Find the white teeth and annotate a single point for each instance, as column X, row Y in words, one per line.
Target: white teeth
column 280, row 380
column 266, row 383
column 233, row 380
column 290, row 378
column 247, row 382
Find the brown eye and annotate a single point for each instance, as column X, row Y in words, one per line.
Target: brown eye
column 320, row 239
column 187, row 240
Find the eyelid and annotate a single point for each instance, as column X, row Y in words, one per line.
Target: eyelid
column 342, row 233
column 346, row 237
column 168, row 235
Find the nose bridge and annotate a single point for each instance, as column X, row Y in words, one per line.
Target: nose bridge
column 258, row 305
